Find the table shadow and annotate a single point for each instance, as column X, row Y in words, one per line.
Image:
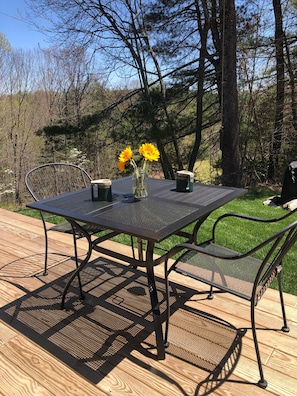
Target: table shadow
column 92, row 336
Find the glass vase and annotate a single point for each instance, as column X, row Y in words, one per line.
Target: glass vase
column 139, row 184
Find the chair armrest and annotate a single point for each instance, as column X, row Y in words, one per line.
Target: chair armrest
column 255, row 218
column 250, row 218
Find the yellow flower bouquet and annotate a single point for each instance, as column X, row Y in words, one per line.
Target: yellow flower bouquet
column 149, row 153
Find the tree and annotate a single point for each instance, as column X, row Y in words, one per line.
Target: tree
column 20, row 115
column 128, row 34
column 4, row 43
column 117, row 29
column 280, row 90
column 229, row 103
column 206, row 42
column 184, row 55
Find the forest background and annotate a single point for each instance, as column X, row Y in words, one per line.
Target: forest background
column 212, row 83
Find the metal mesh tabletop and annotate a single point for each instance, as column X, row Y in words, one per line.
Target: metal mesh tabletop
column 163, row 213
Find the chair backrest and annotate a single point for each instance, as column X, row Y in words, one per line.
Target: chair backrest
column 280, row 243
column 53, row 179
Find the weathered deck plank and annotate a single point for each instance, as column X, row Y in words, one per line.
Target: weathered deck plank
column 105, row 344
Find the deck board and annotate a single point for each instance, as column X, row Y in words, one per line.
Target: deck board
column 104, row 345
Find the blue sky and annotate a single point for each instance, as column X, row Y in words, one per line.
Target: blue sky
column 17, row 32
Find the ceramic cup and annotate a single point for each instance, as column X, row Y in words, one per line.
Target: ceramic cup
column 101, row 190
column 184, row 181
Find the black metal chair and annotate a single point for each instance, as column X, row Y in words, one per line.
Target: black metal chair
column 53, row 179
column 246, row 275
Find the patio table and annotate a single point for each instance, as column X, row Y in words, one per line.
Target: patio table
column 163, row 213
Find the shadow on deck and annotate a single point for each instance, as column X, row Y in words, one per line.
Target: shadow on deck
column 92, row 336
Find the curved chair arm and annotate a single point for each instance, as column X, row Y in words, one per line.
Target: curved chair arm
column 250, row 218
column 275, row 239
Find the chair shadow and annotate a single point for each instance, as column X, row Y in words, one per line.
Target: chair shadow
column 94, row 335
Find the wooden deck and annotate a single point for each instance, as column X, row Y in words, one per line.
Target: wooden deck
column 104, row 345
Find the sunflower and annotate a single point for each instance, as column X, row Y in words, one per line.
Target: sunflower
column 124, row 158
column 126, row 155
column 149, row 152
column 122, row 166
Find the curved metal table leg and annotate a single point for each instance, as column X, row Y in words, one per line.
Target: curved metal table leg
column 154, row 301
column 76, row 272
column 197, row 227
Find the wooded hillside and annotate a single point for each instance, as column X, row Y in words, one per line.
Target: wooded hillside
column 171, row 64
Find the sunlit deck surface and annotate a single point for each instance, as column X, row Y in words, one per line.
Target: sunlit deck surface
column 105, row 344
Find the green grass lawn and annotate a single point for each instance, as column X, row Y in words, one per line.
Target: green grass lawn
column 241, row 237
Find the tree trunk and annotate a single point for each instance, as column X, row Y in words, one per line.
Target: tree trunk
column 230, row 125
column 203, row 31
column 280, row 91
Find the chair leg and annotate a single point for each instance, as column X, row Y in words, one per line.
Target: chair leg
column 45, row 248
column 262, row 383
column 285, row 327
column 210, row 294
column 167, row 294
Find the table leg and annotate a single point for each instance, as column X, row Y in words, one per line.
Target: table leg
column 83, row 263
column 197, row 227
column 154, row 301
column 140, row 249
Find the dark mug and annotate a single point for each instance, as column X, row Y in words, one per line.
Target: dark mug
column 184, row 181
column 101, row 190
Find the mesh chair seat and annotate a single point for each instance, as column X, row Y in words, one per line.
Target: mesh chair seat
column 67, row 228
column 233, row 276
